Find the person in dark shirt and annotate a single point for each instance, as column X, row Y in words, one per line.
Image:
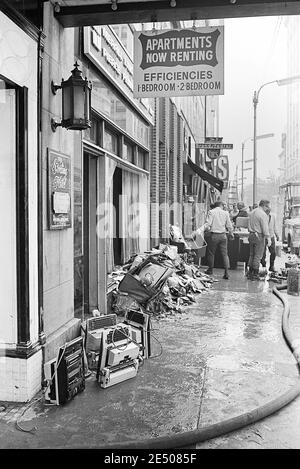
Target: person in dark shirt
column 242, row 212
column 234, row 211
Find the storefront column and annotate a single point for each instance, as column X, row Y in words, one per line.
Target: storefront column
column 24, row 342
column 101, row 240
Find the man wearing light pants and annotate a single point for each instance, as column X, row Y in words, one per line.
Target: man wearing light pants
column 258, row 234
column 218, row 222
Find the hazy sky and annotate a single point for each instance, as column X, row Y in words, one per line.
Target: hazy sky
column 255, row 53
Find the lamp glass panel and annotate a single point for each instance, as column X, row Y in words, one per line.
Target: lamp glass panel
column 79, row 99
column 87, row 103
column 67, row 103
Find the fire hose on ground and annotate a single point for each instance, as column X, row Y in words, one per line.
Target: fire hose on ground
column 181, row 440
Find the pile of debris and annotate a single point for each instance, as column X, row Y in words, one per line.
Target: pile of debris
column 160, row 281
column 292, row 261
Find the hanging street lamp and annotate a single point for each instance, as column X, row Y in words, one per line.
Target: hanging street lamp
column 76, row 102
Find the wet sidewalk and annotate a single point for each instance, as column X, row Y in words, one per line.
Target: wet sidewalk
column 221, row 357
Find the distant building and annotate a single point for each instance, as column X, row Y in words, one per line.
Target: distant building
column 292, row 158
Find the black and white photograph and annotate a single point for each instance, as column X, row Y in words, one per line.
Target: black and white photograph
column 150, row 228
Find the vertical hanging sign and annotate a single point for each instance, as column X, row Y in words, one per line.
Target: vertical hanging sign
column 179, row 62
column 222, row 170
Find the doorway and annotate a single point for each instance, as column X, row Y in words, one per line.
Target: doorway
column 117, row 192
column 90, row 258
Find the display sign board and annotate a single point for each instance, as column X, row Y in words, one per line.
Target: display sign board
column 59, row 190
column 181, row 62
column 222, row 169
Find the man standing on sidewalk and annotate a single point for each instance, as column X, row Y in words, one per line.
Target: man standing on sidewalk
column 258, row 233
column 218, row 222
column 241, row 212
column 274, row 237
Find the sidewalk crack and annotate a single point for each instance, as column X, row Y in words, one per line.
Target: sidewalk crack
column 202, row 395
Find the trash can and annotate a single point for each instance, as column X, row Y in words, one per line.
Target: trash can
column 293, row 282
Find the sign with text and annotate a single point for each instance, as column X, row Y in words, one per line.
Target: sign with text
column 104, row 49
column 181, row 62
column 59, row 190
column 213, row 153
column 214, row 146
column 222, row 169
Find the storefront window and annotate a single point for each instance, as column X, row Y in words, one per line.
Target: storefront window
column 110, row 141
column 128, row 151
column 117, row 110
column 78, row 237
column 142, row 159
column 77, row 213
column 8, row 280
column 93, row 133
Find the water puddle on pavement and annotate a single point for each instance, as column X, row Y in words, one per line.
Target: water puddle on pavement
column 232, row 363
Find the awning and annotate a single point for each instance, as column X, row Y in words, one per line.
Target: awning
column 72, row 13
column 212, row 180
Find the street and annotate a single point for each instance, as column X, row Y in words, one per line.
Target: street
column 150, row 206
column 220, row 358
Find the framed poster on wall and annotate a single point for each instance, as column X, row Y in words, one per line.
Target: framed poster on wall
column 59, row 190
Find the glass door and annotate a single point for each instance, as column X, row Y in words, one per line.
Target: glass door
column 90, row 233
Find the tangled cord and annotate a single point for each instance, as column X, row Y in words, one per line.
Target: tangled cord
column 130, row 339
column 34, row 428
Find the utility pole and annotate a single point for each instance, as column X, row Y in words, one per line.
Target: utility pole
column 242, row 190
column 255, row 101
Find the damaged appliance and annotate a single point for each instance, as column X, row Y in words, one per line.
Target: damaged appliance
column 94, row 329
column 110, row 376
column 145, row 280
column 65, row 374
column 119, row 356
column 140, row 330
column 93, row 334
